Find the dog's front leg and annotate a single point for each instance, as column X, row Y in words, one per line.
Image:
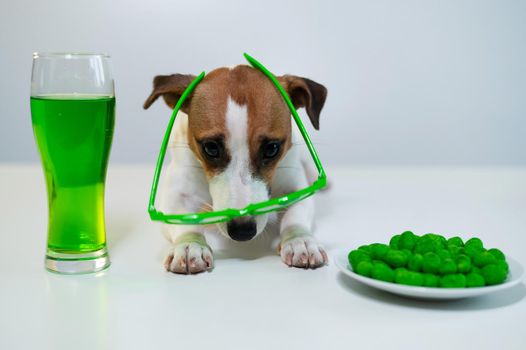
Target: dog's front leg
column 189, row 254
column 184, row 191
column 298, row 246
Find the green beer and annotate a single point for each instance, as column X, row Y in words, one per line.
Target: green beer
column 74, row 135
column 73, row 115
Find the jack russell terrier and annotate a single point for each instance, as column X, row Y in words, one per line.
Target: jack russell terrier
column 232, row 144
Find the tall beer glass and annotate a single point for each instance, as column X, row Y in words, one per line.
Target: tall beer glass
column 73, row 114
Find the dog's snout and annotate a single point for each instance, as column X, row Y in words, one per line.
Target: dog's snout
column 242, row 229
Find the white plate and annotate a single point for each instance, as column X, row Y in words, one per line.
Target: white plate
column 514, row 277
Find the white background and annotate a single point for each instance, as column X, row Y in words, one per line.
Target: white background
column 410, row 82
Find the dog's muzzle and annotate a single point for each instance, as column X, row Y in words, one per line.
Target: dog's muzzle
column 242, row 229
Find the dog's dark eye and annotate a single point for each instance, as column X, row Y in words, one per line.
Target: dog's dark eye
column 211, row 149
column 271, row 149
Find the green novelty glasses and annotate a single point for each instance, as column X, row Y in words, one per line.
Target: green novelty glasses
column 270, row 205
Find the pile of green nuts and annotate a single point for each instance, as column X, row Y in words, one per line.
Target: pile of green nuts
column 431, row 260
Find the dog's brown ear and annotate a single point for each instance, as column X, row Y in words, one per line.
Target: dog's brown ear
column 171, row 87
column 306, row 93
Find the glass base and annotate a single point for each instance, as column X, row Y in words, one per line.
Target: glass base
column 77, row 263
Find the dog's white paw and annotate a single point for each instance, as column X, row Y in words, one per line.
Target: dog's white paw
column 303, row 251
column 189, row 258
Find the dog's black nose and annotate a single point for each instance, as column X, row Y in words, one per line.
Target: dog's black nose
column 241, row 229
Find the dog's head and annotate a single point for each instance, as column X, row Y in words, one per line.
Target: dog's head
column 239, row 128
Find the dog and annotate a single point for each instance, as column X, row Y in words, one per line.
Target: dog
column 232, row 144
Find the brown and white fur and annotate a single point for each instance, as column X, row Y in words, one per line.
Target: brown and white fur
column 233, row 144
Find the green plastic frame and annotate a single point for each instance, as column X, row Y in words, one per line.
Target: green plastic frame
column 252, row 209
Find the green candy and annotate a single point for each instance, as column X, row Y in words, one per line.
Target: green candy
column 447, row 267
column 444, row 254
column 380, row 262
column 399, row 270
column 396, row 258
column 394, row 242
column 407, row 240
column 439, row 241
column 474, row 242
column 382, row 272
column 410, row 278
column 455, row 251
column 431, row 263
column 430, row 280
column 378, row 250
column 502, row 264
column 364, row 268
column 365, row 248
column 357, row 256
column 442, row 241
column 415, row 262
column 493, row 274
column 431, row 236
column 472, row 250
column 497, row 254
column 455, row 241
column 408, row 254
column 474, row 280
column 457, row 280
column 463, row 263
column 484, row 258
column 424, row 245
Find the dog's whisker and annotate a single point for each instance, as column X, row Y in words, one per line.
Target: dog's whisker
column 206, row 207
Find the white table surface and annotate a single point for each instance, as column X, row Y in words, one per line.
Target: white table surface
column 251, row 300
